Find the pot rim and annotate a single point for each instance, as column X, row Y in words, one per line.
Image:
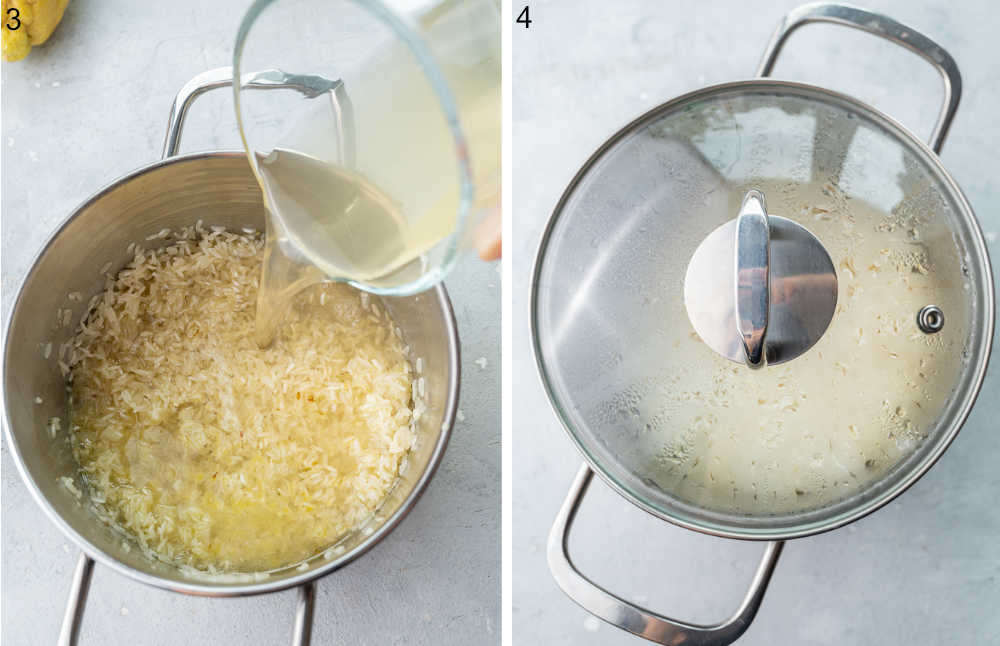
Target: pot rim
column 864, row 506
column 222, row 589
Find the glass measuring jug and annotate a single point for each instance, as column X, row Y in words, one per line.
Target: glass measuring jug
column 378, row 147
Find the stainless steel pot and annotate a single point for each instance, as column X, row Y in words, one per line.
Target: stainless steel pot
column 620, row 211
column 219, row 188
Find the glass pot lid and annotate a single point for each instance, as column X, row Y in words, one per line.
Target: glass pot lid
column 861, row 232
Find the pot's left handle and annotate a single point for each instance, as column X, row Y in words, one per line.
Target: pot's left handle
column 75, row 606
column 635, row 619
column 211, row 80
column 309, row 85
column 302, row 633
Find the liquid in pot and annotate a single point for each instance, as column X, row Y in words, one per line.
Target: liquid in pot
column 825, row 425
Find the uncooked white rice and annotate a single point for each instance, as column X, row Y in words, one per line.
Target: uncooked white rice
column 215, row 454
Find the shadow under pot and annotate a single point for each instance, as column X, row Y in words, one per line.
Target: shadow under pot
column 761, row 310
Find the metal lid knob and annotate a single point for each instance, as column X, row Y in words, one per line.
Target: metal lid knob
column 753, row 243
column 760, row 288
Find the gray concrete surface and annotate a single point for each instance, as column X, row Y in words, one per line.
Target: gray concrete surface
column 90, row 106
column 925, row 569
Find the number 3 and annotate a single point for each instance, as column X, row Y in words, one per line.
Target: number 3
column 15, row 15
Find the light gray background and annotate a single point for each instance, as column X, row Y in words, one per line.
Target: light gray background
column 923, row 570
column 91, row 105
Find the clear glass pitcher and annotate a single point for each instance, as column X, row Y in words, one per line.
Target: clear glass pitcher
column 386, row 113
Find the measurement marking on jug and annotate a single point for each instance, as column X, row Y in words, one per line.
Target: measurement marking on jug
column 524, row 18
column 15, row 16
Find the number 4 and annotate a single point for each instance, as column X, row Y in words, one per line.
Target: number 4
column 524, row 18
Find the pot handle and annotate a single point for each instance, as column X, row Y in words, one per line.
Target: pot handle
column 302, row 633
column 77, row 601
column 214, row 79
column 635, row 619
column 220, row 77
column 69, row 633
column 888, row 29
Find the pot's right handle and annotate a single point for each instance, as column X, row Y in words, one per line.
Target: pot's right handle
column 888, row 29
column 635, row 619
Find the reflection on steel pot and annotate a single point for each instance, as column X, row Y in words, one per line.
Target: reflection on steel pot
column 773, row 225
column 176, row 192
